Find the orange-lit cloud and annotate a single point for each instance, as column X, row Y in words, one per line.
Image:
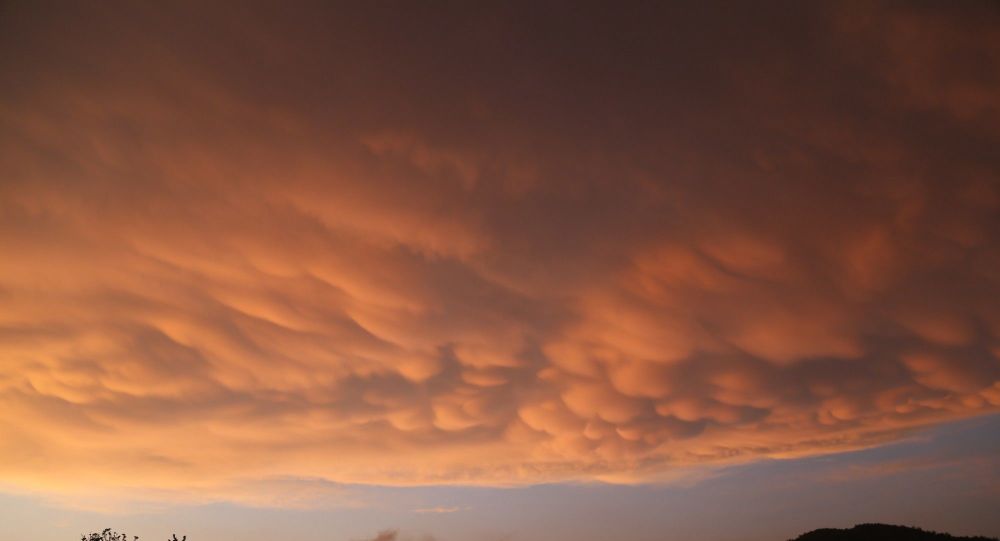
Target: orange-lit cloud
column 370, row 264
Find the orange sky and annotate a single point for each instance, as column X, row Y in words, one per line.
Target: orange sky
column 464, row 247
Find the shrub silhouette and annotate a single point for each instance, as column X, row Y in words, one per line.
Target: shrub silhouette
column 107, row 535
column 110, row 535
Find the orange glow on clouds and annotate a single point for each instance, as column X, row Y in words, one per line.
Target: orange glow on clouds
column 213, row 275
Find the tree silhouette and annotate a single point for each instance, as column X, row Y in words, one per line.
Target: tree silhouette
column 109, row 535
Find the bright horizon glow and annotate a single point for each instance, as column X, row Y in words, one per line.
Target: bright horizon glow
column 944, row 479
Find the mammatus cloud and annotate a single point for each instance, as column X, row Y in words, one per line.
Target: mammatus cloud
column 322, row 249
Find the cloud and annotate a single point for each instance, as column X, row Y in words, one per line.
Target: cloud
column 439, row 510
column 387, row 535
column 375, row 264
column 393, row 535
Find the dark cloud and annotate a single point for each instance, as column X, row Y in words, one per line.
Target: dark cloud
column 387, row 535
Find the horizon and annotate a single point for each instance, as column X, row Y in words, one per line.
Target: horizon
column 561, row 271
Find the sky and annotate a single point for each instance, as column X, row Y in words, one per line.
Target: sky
column 481, row 271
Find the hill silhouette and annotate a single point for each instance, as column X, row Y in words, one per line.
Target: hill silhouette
column 882, row 532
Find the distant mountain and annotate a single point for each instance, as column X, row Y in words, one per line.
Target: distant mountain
column 882, row 532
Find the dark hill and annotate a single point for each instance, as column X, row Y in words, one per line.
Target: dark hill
column 882, row 532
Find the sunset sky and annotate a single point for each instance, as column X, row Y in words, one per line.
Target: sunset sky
column 468, row 271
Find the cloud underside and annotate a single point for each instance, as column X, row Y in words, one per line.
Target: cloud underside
column 356, row 259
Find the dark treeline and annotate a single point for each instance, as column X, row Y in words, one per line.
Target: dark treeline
column 882, row 532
